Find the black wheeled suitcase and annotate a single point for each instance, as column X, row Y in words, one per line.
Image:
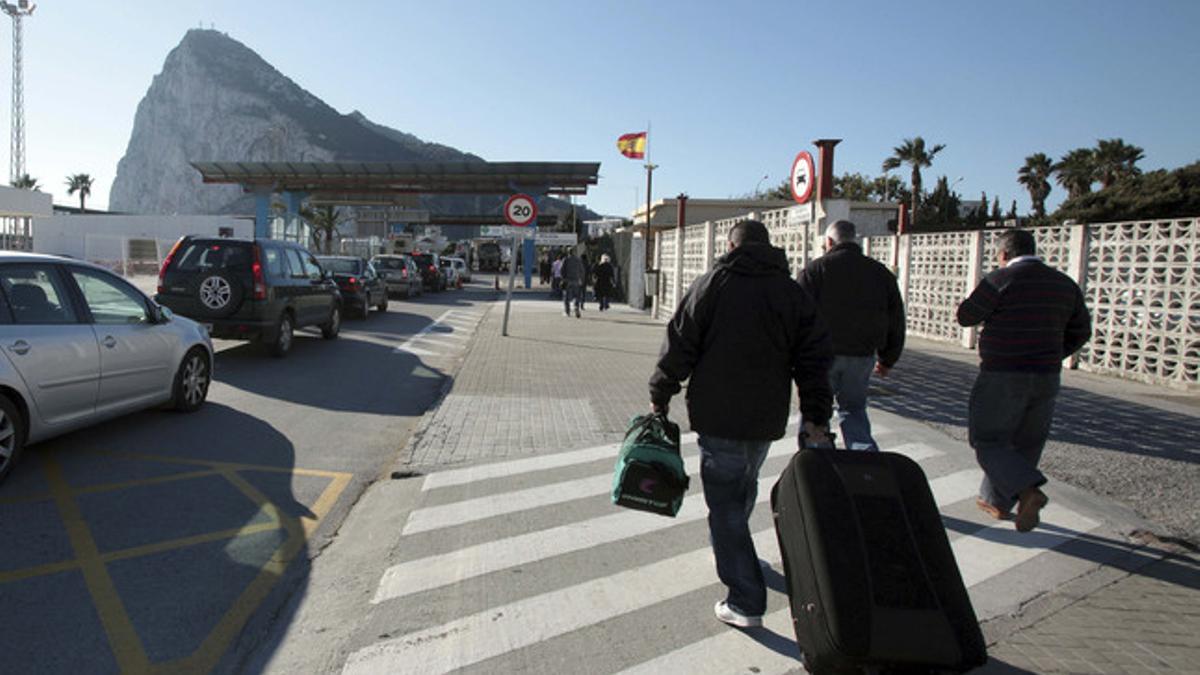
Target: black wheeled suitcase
column 871, row 579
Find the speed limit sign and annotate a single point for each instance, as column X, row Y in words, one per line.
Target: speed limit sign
column 520, row 210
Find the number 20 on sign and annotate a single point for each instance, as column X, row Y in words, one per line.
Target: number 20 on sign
column 520, row 210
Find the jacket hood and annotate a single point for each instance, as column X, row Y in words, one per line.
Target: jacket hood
column 753, row 259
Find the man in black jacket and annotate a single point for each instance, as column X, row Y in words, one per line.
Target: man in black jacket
column 742, row 334
column 860, row 302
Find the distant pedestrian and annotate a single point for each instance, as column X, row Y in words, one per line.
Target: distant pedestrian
column 556, row 276
column 860, row 302
column 587, row 276
column 1033, row 317
column 573, row 275
column 741, row 335
column 605, row 275
column 544, row 271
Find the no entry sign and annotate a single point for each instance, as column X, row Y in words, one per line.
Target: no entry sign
column 802, row 177
column 520, row 210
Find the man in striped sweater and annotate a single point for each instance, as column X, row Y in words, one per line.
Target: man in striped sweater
column 1033, row 317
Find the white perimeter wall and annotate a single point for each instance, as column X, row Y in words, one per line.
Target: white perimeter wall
column 74, row 235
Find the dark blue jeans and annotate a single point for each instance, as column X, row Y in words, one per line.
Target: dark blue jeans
column 572, row 291
column 1009, row 421
column 729, row 471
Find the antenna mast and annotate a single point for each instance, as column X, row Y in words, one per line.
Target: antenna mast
column 16, row 164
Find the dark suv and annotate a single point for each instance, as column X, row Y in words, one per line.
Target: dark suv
column 244, row 289
column 431, row 270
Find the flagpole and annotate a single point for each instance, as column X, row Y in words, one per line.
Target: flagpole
column 650, row 167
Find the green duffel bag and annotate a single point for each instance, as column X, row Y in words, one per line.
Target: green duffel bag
column 649, row 475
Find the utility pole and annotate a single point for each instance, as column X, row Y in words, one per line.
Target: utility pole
column 16, row 162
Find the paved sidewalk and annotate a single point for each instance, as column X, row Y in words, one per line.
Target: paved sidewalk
column 559, row 383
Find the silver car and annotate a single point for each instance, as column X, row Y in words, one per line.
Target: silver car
column 80, row 345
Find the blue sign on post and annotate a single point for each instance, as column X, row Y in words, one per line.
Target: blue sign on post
column 397, row 228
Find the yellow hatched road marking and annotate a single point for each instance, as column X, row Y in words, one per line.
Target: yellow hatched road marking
column 126, row 644
column 122, row 637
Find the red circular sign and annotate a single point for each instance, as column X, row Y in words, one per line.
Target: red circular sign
column 520, row 210
column 803, row 177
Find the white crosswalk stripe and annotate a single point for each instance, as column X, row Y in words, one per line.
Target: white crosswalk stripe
column 478, row 494
column 448, row 334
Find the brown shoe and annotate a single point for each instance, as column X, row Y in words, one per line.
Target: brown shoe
column 1029, row 505
column 994, row 511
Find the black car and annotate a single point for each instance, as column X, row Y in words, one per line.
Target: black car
column 250, row 289
column 360, row 286
column 431, row 270
column 399, row 273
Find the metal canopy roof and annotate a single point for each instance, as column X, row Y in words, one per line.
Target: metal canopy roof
column 378, row 178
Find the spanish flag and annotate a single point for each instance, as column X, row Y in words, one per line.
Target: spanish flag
column 633, row 146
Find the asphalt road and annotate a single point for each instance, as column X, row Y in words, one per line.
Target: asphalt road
column 172, row 542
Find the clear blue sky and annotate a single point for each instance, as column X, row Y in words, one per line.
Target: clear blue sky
column 733, row 90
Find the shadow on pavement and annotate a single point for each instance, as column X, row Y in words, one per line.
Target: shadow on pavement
column 347, row 374
column 1126, row 555
column 153, row 540
column 936, row 390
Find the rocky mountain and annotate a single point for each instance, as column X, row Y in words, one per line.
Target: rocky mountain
column 216, row 99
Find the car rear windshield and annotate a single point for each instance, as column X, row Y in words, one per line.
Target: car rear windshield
column 211, row 256
column 390, row 263
column 423, row 259
column 340, row 265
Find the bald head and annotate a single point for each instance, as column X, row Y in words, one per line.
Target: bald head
column 841, row 232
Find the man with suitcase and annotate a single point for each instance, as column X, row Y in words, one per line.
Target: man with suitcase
column 1033, row 317
column 741, row 335
column 860, row 302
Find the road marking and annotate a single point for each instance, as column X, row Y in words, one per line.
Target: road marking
column 915, row 451
column 999, row 547
column 423, row 574
column 123, row 638
column 472, row 474
column 426, row 334
column 480, row 508
column 498, row 630
column 728, row 652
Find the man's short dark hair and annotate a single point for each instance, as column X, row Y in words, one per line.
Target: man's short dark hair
column 1016, row 243
column 747, row 231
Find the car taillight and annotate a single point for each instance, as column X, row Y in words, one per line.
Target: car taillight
column 162, row 271
column 260, row 287
column 432, row 268
column 404, row 272
column 353, row 283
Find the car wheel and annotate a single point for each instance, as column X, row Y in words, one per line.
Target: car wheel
column 219, row 294
column 192, row 380
column 329, row 330
column 284, row 335
column 383, row 305
column 12, row 436
column 366, row 308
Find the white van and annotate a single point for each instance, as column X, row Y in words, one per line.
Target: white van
column 461, row 267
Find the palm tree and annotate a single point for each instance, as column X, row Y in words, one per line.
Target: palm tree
column 913, row 153
column 81, row 183
column 1116, row 160
column 1077, row 171
column 1035, row 176
column 26, row 182
column 324, row 221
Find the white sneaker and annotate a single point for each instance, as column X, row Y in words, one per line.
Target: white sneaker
column 729, row 615
column 566, row 312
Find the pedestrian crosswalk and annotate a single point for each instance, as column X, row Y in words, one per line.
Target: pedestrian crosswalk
column 546, row 557
column 448, row 335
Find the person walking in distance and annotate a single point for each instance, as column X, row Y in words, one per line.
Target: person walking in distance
column 741, row 335
column 860, row 302
column 573, row 273
column 605, row 276
column 556, row 275
column 1033, row 317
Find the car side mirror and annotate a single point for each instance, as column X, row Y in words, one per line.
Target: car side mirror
column 162, row 314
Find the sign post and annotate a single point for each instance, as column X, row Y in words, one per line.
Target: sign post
column 520, row 210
